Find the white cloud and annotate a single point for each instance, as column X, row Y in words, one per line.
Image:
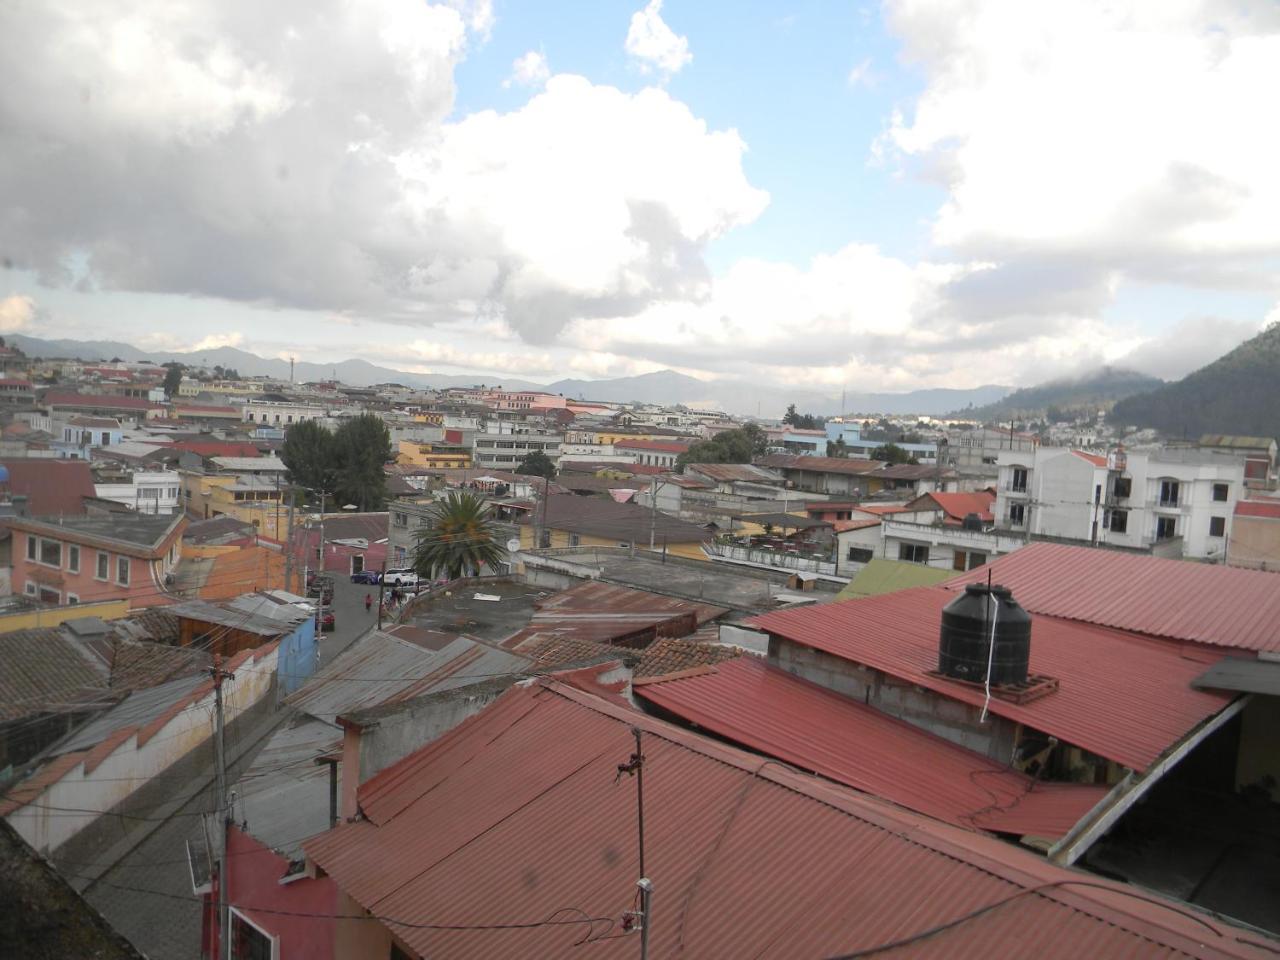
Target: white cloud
column 16, row 313
column 215, row 340
column 529, row 70
column 1126, row 135
column 861, row 75
column 653, row 44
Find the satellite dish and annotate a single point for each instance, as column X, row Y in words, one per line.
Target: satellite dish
column 513, row 545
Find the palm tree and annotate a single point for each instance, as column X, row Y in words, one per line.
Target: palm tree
column 460, row 539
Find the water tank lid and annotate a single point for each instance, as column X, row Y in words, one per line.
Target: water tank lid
column 997, row 590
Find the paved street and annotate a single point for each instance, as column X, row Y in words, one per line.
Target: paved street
column 140, row 895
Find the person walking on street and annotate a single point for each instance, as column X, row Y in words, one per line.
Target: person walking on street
column 368, row 602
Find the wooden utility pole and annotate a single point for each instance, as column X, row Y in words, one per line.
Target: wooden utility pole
column 224, row 814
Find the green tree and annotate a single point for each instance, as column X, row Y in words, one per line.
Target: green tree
column 892, row 453
column 733, row 446
column 309, row 453
column 362, row 447
column 460, row 539
column 801, row 421
column 537, row 464
column 837, row 448
column 172, row 378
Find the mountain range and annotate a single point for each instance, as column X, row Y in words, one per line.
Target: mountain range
column 1239, row 393
column 662, row 386
column 1094, row 391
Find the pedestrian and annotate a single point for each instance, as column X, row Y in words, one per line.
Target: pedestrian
column 368, row 602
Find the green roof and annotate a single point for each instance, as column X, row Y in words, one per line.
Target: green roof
column 889, row 576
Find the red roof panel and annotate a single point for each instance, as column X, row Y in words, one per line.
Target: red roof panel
column 518, row 815
column 1176, row 599
column 751, row 703
column 1259, row 508
column 1120, row 696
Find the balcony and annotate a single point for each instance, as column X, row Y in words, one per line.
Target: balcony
column 1010, row 486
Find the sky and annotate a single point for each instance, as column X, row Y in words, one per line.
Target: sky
column 917, row 193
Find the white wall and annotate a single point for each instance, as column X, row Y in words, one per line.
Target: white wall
column 46, row 824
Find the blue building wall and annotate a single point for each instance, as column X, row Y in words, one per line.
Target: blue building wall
column 297, row 660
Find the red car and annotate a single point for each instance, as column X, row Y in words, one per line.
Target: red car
column 326, row 620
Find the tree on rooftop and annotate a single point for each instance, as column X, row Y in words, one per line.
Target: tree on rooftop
column 460, row 539
column 801, row 421
column 892, row 453
column 537, row 464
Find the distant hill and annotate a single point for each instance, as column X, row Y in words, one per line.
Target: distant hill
column 663, row 386
column 1238, row 393
column 1096, row 391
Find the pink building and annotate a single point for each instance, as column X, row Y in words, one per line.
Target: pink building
column 122, row 556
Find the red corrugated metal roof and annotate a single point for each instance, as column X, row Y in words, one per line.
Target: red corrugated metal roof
column 1121, row 696
column 957, row 506
column 1258, row 508
column 1093, row 458
column 104, row 401
column 751, row 703
column 655, row 445
column 1176, row 599
column 52, row 487
column 519, row 815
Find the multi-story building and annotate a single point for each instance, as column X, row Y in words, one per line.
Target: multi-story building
column 503, row 444
column 77, row 437
column 1174, row 502
column 122, row 556
column 976, row 453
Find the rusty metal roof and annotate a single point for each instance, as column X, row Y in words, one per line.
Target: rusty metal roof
column 768, row 710
column 1175, row 599
column 1122, row 696
column 518, row 816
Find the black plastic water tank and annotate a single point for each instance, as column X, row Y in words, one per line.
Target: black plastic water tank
column 964, row 643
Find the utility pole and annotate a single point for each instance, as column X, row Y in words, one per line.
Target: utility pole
column 382, row 585
column 224, row 814
column 288, row 542
column 319, row 577
column 635, row 766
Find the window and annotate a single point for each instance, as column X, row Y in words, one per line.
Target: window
column 1119, row 521
column 104, row 566
column 29, row 589
column 122, row 571
column 50, row 553
column 1122, row 487
column 106, row 439
column 574, row 540
column 976, row 559
column 248, row 942
column 31, row 548
column 913, row 552
column 72, row 599
column 1217, row 526
column 1017, row 514
column 1168, row 493
column 1166, row 528
column 73, row 558
column 1019, row 482
column 48, row 595
column 1220, row 492
column 958, row 560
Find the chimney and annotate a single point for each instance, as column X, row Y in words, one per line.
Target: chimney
column 352, row 735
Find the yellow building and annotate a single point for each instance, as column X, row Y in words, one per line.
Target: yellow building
column 567, row 520
column 254, row 500
column 432, row 456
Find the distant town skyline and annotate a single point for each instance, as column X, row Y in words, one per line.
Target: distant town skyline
column 881, row 197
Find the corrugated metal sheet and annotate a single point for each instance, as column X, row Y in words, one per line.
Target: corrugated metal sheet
column 518, row 815
column 887, row 576
column 380, row 668
column 768, row 710
column 136, row 710
column 1177, row 599
column 1246, row 676
column 283, row 797
column 1121, row 696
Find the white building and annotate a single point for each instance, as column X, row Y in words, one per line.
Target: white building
column 280, row 414
column 1174, row 502
column 146, row 491
column 504, row 443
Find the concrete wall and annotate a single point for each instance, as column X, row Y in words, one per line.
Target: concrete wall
column 46, row 823
column 957, row 722
column 299, row 906
column 1255, row 542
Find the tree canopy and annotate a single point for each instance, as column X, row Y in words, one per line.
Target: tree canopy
column 346, row 464
column 537, row 464
column 892, row 453
column 172, row 378
column 802, row 421
column 460, row 539
column 733, row 446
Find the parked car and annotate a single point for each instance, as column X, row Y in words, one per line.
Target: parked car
column 321, row 584
column 327, row 620
column 401, row 577
column 366, row 576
